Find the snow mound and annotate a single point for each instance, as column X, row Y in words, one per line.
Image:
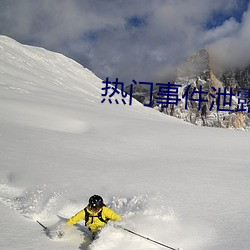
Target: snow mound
column 42, row 116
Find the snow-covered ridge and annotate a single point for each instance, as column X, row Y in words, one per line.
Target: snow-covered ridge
column 48, row 67
column 33, row 74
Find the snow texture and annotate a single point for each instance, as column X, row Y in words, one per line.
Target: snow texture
column 182, row 185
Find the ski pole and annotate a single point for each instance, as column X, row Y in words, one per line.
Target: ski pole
column 45, row 228
column 146, row 238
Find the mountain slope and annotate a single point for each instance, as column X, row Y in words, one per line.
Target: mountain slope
column 182, row 185
column 202, row 70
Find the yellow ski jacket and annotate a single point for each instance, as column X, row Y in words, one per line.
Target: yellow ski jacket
column 94, row 223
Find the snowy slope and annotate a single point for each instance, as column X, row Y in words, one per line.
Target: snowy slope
column 179, row 184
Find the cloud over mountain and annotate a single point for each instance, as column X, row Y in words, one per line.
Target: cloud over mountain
column 129, row 39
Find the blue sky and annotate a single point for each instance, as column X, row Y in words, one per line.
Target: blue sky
column 218, row 17
column 132, row 39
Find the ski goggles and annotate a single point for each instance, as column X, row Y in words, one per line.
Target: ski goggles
column 94, row 208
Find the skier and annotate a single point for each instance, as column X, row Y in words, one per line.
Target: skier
column 95, row 214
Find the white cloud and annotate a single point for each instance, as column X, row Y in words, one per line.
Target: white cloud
column 97, row 33
column 233, row 50
column 228, row 28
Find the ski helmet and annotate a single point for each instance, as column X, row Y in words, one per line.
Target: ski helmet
column 95, row 202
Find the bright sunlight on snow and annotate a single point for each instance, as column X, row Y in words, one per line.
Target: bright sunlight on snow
column 184, row 186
